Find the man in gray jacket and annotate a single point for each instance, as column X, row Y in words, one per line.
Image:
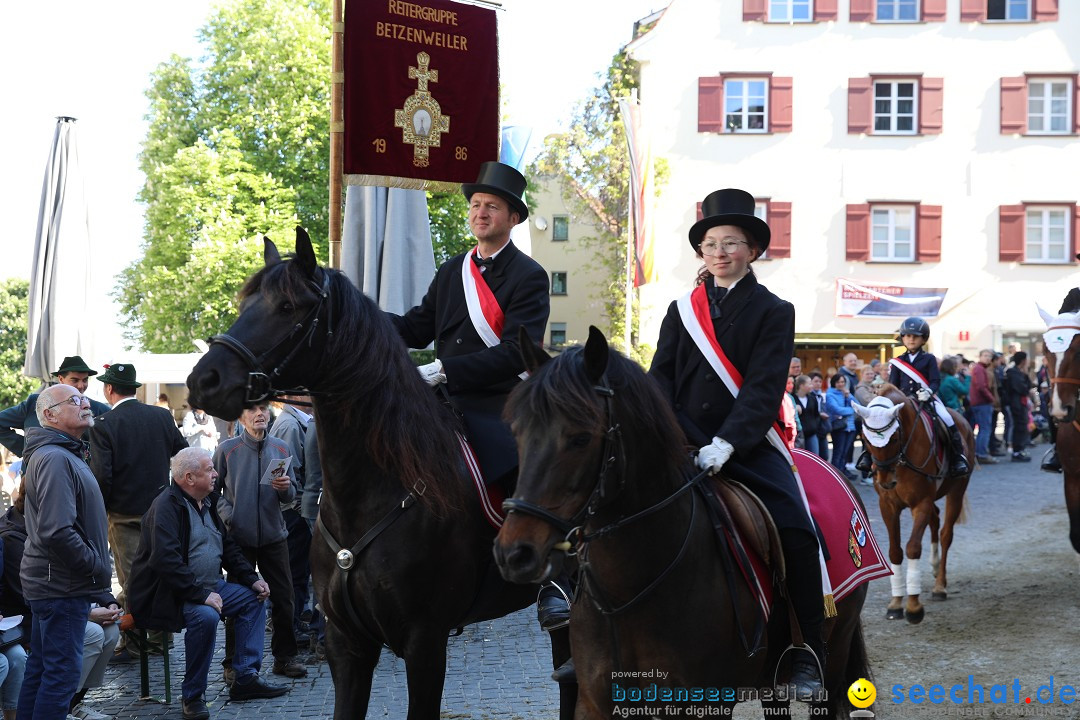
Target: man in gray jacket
column 65, row 561
column 250, row 507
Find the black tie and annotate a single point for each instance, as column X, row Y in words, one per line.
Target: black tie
column 484, row 264
column 716, row 296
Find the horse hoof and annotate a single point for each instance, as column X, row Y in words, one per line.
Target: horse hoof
column 940, row 595
column 915, row 617
column 897, row 614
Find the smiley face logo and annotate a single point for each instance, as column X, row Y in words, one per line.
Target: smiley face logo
column 862, row 693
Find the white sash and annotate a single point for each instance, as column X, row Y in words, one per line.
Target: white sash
column 484, row 311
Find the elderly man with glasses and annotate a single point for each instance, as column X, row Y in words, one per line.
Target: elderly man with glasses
column 65, row 563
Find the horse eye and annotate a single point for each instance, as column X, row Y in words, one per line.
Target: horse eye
column 287, row 308
column 580, row 440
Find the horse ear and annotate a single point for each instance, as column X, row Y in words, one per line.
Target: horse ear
column 1047, row 317
column 305, row 253
column 271, row 256
column 596, row 354
column 895, row 409
column 533, row 355
column 860, row 410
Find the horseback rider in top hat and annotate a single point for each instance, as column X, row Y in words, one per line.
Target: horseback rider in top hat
column 916, row 373
column 472, row 311
column 754, row 334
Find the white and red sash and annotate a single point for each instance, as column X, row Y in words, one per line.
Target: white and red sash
column 694, row 312
column 909, row 370
column 484, row 311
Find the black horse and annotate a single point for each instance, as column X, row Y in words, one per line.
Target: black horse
column 604, row 475
column 402, row 553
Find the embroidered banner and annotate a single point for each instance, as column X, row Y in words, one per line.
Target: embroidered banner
column 859, row 299
column 421, row 93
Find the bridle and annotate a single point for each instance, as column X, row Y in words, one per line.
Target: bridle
column 260, row 384
column 902, row 458
column 576, row 540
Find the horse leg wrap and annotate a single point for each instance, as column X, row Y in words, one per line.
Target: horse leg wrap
column 914, row 577
column 897, row 580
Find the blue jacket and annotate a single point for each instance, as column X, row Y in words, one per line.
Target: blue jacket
column 925, row 363
column 838, row 405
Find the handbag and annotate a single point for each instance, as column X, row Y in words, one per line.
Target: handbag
column 838, row 424
column 10, row 637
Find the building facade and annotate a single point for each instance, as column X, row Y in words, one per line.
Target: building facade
column 911, row 156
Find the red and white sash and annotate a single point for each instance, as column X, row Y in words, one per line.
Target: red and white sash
column 909, row 370
column 484, row 311
column 694, row 312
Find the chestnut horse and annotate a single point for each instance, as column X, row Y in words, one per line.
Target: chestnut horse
column 402, row 552
column 605, row 478
column 911, row 471
column 1061, row 349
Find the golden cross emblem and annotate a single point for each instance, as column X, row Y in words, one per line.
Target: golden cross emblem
column 421, row 119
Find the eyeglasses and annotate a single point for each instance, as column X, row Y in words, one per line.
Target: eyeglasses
column 713, row 248
column 76, row 400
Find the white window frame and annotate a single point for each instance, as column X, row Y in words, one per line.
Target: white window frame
column 1038, row 224
column 761, row 212
column 745, row 114
column 789, row 8
column 1009, row 5
column 891, row 214
column 894, row 100
column 895, row 6
column 1047, row 116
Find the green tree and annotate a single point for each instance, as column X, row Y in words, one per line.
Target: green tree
column 14, row 308
column 237, row 146
column 591, row 164
column 448, row 215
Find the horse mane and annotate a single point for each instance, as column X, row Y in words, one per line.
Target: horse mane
column 888, row 390
column 1071, row 303
column 561, row 390
column 367, row 380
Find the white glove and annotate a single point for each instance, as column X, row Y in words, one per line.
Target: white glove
column 432, row 373
column 922, row 395
column 712, row 457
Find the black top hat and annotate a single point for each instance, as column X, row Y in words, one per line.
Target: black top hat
column 501, row 180
column 74, row 364
column 121, row 375
column 730, row 207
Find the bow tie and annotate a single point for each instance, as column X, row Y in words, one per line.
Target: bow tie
column 716, row 295
column 484, row 264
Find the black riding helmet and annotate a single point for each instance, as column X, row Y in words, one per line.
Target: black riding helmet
column 914, row 326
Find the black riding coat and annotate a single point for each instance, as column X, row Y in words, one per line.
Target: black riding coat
column 756, row 329
column 479, row 378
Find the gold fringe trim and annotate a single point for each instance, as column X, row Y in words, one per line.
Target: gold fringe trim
column 830, row 606
column 400, row 182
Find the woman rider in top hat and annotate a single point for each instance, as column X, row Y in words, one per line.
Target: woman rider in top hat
column 755, row 330
column 916, row 373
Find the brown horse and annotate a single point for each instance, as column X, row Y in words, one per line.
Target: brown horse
column 402, row 552
column 1062, row 353
column 605, row 478
column 911, row 471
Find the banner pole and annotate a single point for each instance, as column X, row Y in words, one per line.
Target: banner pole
column 337, row 129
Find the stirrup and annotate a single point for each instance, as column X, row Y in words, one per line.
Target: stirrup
column 810, row 696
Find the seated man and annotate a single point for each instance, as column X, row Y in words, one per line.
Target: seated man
column 176, row 583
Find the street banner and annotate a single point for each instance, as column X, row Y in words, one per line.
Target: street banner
column 421, row 100
column 642, row 191
column 862, row 299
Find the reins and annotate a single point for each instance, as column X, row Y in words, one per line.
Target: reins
column 902, row 457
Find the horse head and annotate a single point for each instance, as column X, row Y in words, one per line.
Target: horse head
column 283, row 326
column 575, row 420
column 1061, row 349
column 882, row 432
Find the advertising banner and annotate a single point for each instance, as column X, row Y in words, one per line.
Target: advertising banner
column 863, row 299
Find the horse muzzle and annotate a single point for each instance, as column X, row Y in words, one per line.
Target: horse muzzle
column 522, row 560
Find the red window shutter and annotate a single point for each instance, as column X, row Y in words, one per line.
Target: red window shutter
column 1011, row 233
column 972, row 10
column 779, row 216
column 824, row 10
column 710, row 110
column 1046, row 10
column 931, row 105
column 858, row 232
column 753, row 10
column 929, row 239
column 859, row 105
column 1013, row 105
column 698, row 214
column 781, row 94
column 1076, row 104
column 861, row 11
column 933, row 10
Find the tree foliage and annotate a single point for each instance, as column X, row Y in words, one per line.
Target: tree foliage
column 237, row 146
column 448, row 214
column 14, row 309
column 591, row 164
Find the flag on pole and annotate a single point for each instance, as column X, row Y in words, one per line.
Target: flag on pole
column 515, row 141
column 642, row 190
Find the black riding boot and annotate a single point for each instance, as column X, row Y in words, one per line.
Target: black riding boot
column 804, row 587
column 1050, row 462
column 553, row 604
column 865, row 463
column 958, row 464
